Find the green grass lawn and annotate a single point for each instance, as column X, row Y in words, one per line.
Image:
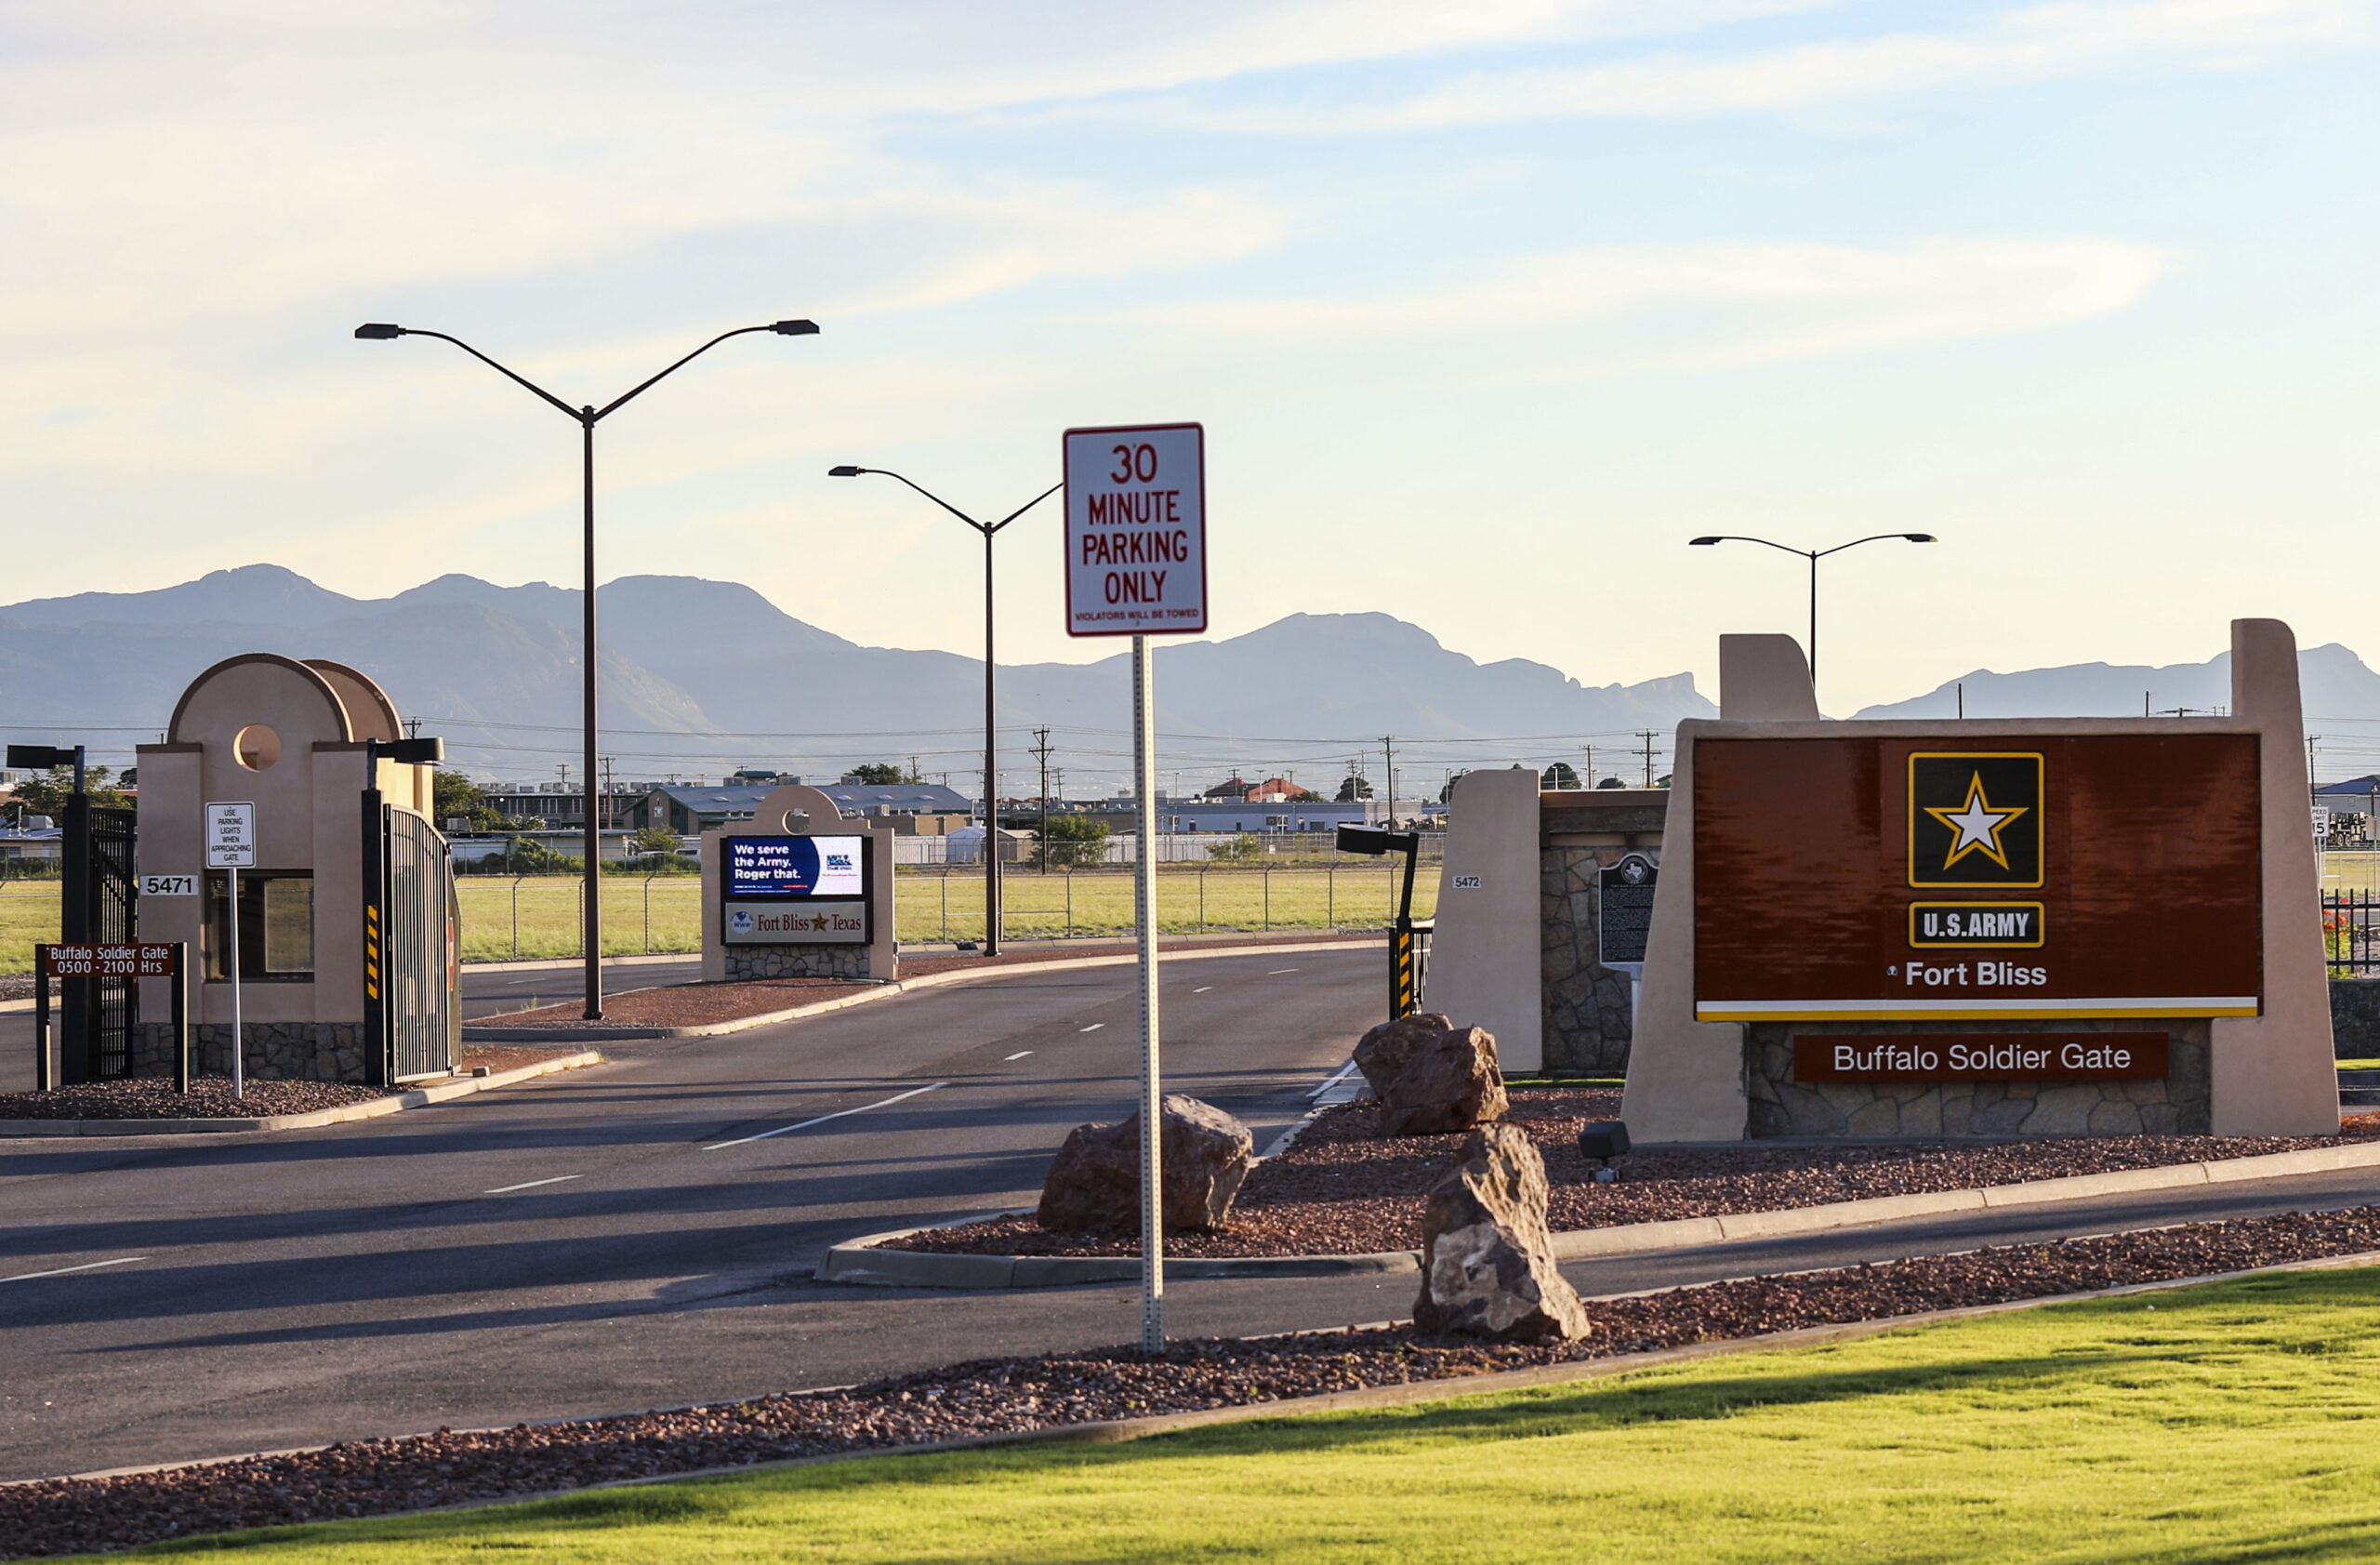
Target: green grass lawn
column 2224, row 1423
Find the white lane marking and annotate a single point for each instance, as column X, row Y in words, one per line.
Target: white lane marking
column 88, row 1266
column 1020, row 1054
column 1278, row 970
column 1334, row 1080
column 821, row 1118
column 1202, row 988
column 1094, row 1026
column 532, row 1184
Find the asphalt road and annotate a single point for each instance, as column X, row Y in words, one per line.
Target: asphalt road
column 617, row 1237
column 633, row 1237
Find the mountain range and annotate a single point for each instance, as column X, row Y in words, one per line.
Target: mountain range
column 701, row 677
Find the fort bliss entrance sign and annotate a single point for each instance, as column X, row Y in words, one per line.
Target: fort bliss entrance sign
column 1136, row 565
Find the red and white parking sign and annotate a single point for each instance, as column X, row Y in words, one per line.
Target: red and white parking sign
column 1136, row 530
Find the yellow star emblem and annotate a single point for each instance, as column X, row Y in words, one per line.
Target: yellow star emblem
column 1976, row 824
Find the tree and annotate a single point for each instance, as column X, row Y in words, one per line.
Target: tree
column 1558, row 777
column 47, row 796
column 453, row 794
column 1445, row 794
column 655, row 838
column 1611, row 782
column 1075, row 839
column 1354, row 788
column 1238, row 849
column 878, row 774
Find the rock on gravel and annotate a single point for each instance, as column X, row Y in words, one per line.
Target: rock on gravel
column 1340, row 1189
column 999, row 1396
column 209, row 1098
column 1487, row 1261
column 1430, row 1076
column 1095, row 1183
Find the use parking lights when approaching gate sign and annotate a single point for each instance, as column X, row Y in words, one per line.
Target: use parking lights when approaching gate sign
column 1136, row 565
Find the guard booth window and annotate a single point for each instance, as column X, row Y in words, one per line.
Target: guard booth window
column 276, row 927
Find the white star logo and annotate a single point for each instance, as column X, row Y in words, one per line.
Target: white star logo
column 1976, row 823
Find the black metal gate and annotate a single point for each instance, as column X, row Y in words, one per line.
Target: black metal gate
column 100, row 903
column 423, row 998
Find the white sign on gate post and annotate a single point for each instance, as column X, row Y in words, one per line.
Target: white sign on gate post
column 231, row 848
column 1136, row 565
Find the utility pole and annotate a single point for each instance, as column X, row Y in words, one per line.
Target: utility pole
column 2312, row 797
column 1649, row 736
column 1388, row 749
column 1588, row 780
column 1041, row 753
column 413, row 728
column 606, row 821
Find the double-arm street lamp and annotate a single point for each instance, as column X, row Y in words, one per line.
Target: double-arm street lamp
column 1814, row 556
column 587, row 418
column 991, row 707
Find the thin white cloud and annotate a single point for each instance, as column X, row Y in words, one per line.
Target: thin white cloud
column 1610, row 308
column 2031, row 44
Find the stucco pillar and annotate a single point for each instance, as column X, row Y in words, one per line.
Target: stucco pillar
column 1485, row 956
column 2275, row 1074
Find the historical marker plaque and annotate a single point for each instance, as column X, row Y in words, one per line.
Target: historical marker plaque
column 1625, row 921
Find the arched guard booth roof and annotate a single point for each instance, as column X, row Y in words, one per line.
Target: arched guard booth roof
column 295, row 677
column 370, row 713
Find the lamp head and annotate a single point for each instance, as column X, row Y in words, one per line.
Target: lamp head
column 795, row 328
column 1697, row 543
column 39, row 757
column 374, row 331
column 847, row 470
column 1920, row 537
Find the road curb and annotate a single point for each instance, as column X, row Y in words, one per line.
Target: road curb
column 419, row 1097
column 626, row 1032
column 855, row 1261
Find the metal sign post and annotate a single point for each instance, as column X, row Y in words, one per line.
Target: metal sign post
column 231, row 847
column 1136, row 565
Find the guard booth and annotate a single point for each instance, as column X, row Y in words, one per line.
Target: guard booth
column 800, row 891
column 348, row 939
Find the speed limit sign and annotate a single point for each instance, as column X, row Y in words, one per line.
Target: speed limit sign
column 1136, row 530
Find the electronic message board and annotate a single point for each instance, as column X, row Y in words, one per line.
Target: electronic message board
column 779, row 868
column 1964, row 877
column 805, row 891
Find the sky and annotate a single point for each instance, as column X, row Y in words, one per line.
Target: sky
column 1487, row 309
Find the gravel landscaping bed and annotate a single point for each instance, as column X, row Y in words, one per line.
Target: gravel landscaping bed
column 501, row 1057
column 19, row 988
column 996, row 1396
column 1338, row 1190
column 209, row 1098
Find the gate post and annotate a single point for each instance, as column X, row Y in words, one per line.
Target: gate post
column 76, row 996
column 43, row 1081
column 375, row 838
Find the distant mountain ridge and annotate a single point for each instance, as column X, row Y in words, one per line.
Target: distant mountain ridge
column 2335, row 680
column 699, row 676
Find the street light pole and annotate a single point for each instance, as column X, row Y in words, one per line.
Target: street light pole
column 991, row 701
column 1814, row 556
column 588, row 416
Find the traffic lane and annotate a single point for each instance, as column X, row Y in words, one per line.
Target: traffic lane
column 93, row 1348
column 493, row 991
column 965, row 1140
column 663, row 1094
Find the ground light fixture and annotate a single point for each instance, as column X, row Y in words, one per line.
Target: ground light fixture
column 1813, row 556
column 991, row 720
column 588, row 416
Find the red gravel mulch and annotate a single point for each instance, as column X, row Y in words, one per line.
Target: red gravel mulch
column 499, row 1057
column 209, row 1098
column 998, row 1396
column 1338, row 1189
column 704, row 1004
column 18, row 987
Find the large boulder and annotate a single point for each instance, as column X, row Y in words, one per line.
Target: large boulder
column 1430, row 1076
column 1095, row 1183
column 1487, row 1261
